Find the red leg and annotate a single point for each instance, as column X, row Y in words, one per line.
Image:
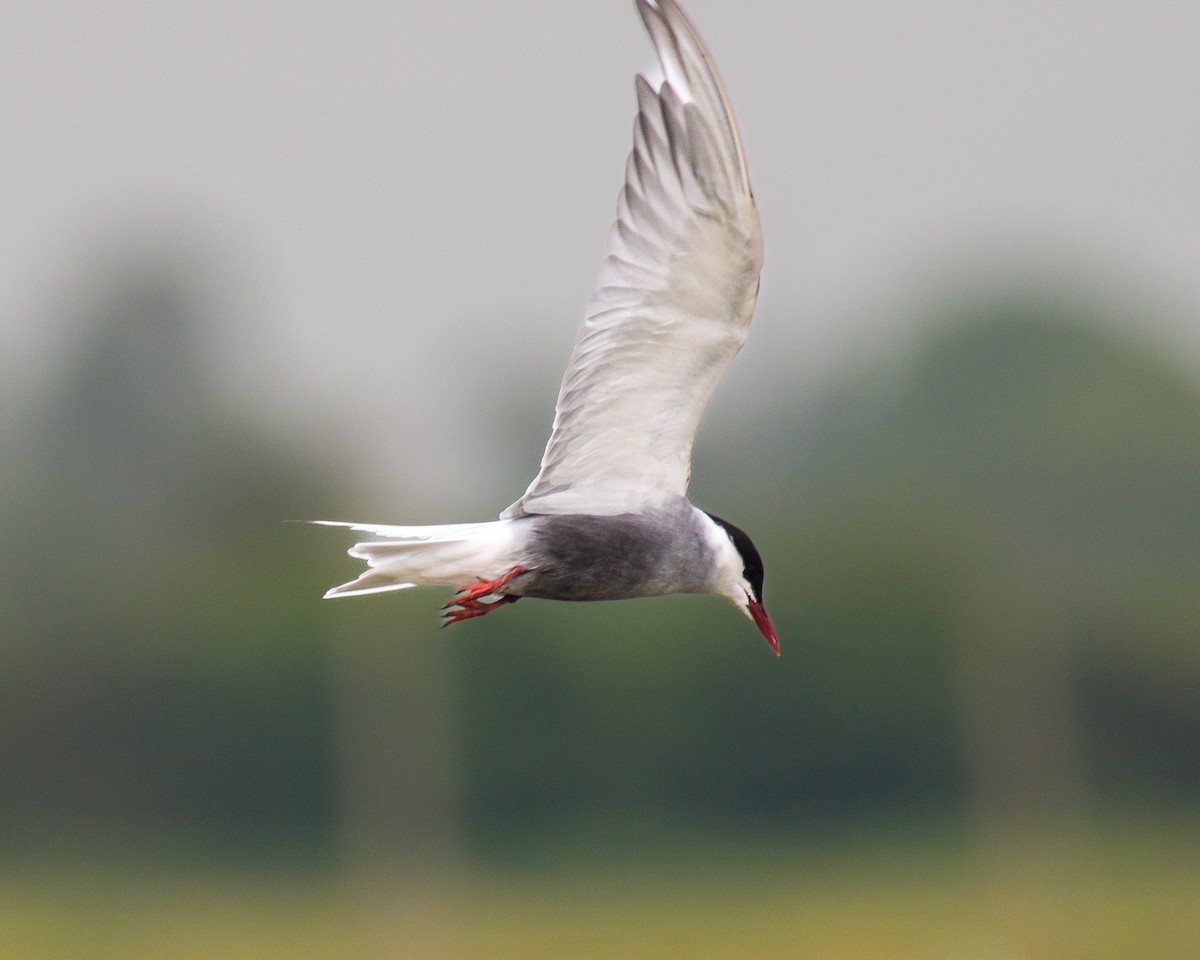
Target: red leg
column 468, row 602
column 481, row 588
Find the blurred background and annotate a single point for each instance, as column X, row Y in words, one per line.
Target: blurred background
column 265, row 262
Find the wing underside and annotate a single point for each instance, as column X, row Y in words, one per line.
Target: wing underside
column 674, row 299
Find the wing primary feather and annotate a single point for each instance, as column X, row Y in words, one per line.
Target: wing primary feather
column 687, row 50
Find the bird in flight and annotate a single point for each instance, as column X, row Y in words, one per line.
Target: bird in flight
column 607, row 516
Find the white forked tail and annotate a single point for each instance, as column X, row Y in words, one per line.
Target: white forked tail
column 453, row 554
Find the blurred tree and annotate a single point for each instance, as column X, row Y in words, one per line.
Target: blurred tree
column 397, row 732
column 158, row 674
column 944, row 536
column 1059, row 462
column 981, row 559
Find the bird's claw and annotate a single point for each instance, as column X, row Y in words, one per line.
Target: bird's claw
column 468, row 602
column 458, row 610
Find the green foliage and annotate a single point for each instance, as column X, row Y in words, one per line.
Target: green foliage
column 159, row 674
column 169, row 666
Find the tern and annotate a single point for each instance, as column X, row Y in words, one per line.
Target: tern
column 607, row 516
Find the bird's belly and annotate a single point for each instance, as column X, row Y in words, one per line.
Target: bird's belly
column 584, row 557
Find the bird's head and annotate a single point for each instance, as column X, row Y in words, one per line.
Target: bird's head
column 738, row 576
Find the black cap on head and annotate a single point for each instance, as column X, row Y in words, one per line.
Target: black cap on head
column 752, row 565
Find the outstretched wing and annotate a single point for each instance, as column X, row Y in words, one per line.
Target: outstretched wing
column 674, row 300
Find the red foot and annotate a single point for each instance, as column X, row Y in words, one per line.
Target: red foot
column 461, row 610
column 468, row 602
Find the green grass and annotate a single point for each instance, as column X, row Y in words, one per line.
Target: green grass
column 1128, row 894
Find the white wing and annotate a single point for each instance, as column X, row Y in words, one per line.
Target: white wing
column 674, row 300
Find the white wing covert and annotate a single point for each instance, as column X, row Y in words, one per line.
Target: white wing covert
column 674, row 299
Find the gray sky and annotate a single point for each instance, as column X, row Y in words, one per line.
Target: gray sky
column 407, row 202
